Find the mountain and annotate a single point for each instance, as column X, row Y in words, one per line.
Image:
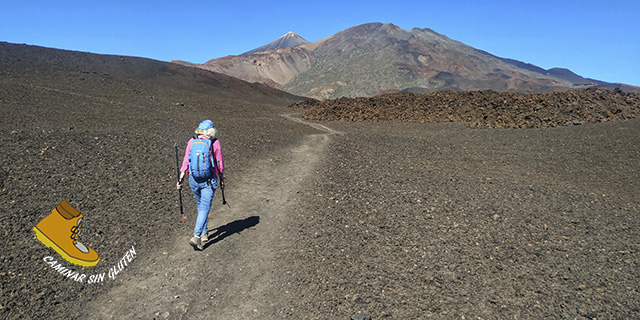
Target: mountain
column 289, row 40
column 375, row 57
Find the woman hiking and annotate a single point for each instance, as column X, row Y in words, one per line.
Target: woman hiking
column 203, row 163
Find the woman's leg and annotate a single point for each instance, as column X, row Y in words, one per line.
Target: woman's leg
column 204, row 205
column 213, row 184
column 196, row 188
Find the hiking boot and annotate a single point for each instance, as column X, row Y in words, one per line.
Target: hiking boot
column 196, row 243
column 204, row 237
column 60, row 230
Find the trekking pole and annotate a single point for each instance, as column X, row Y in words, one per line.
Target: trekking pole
column 179, row 190
column 224, row 201
column 221, row 177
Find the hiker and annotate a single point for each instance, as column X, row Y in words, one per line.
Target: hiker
column 203, row 163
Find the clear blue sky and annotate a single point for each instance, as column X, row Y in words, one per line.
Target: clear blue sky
column 596, row 39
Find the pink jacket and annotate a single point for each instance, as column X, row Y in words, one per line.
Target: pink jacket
column 217, row 152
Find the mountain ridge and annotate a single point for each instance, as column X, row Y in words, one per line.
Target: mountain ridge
column 371, row 58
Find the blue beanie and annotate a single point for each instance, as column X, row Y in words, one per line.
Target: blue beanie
column 204, row 125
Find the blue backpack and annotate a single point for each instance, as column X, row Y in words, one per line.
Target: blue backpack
column 201, row 159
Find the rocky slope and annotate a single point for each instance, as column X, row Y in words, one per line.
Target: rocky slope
column 482, row 108
column 272, row 67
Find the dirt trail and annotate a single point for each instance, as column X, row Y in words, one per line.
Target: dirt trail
column 234, row 277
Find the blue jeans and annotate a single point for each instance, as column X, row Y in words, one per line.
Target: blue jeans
column 203, row 190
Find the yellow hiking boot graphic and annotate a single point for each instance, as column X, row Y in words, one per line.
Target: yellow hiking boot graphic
column 60, row 231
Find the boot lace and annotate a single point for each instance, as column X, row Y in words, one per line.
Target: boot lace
column 75, row 232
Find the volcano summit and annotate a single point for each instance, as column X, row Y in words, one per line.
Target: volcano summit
column 289, row 40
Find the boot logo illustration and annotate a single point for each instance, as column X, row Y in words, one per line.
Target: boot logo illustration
column 60, row 230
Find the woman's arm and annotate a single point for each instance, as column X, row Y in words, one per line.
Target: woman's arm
column 217, row 153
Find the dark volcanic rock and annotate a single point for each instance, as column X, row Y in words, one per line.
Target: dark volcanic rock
column 482, row 108
column 361, row 316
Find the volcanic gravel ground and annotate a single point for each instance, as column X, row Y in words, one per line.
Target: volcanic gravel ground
column 411, row 221
column 106, row 146
column 482, row 108
column 394, row 220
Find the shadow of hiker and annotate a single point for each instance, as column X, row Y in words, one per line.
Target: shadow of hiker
column 230, row 229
